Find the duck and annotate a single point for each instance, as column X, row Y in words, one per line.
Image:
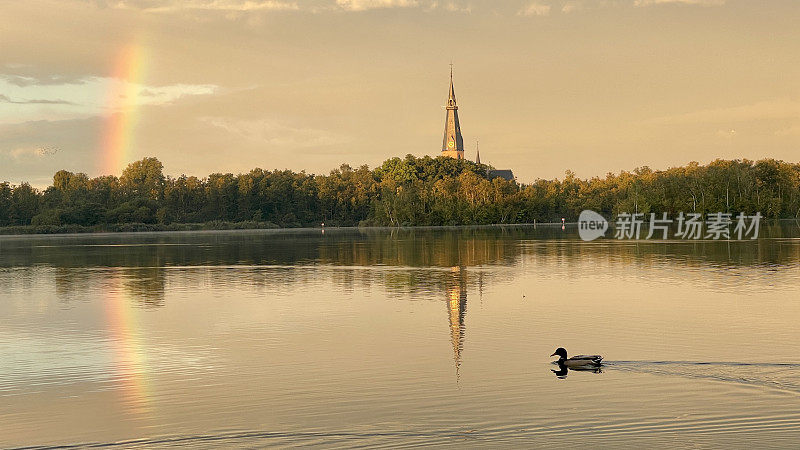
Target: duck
column 576, row 361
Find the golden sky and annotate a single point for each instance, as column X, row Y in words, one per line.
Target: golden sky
column 545, row 85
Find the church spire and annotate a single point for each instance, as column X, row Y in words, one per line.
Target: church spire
column 451, row 98
column 452, row 143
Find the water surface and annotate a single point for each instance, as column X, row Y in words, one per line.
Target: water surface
column 397, row 338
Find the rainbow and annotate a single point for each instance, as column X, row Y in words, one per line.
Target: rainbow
column 125, row 88
column 129, row 357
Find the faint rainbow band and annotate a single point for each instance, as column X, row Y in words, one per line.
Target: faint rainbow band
column 130, row 362
column 123, row 96
column 129, row 356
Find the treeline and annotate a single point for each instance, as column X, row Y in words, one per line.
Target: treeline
column 401, row 192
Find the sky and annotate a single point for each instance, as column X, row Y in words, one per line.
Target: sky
column 592, row 86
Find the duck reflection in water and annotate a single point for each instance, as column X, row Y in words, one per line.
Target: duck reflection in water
column 563, row 370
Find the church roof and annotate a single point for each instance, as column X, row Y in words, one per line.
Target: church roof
column 505, row 174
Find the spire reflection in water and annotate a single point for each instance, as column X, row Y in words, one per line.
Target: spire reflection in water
column 457, row 309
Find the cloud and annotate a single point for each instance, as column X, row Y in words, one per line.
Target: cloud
column 88, row 96
column 207, row 5
column 545, row 7
column 766, row 110
column 20, row 152
column 449, row 7
column 681, row 2
column 161, row 95
column 6, row 99
column 571, row 6
column 15, row 65
column 233, row 7
column 793, row 130
column 29, row 152
column 273, row 132
column 30, row 80
column 535, row 9
column 363, row 5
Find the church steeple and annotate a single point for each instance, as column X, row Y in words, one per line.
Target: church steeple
column 452, row 143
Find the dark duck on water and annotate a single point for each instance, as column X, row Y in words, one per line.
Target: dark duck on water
column 577, row 361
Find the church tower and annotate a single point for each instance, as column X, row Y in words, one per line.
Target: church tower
column 452, row 143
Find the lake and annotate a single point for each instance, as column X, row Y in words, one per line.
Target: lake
column 398, row 337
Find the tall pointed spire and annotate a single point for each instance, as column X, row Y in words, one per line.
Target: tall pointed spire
column 451, row 98
column 452, row 142
column 477, row 153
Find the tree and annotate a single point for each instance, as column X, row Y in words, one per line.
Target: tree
column 24, row 204
column 6, row 201
column 144, row 179
column 401, row 191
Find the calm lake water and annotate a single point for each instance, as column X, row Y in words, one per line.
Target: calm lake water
column 398, row 337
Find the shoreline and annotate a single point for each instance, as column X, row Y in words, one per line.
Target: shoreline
column 135, row 228
column 50, row 230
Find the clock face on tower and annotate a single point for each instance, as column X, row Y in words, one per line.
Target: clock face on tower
column 451, row 144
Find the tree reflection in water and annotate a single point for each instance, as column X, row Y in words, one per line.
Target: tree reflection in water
column 413, row 264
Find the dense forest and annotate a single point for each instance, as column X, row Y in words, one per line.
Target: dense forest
column 402, row 191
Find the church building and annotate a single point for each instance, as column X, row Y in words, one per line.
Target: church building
column 453, row 142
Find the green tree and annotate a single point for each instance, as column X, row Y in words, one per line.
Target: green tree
column 24, row 204
column 144, row 178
